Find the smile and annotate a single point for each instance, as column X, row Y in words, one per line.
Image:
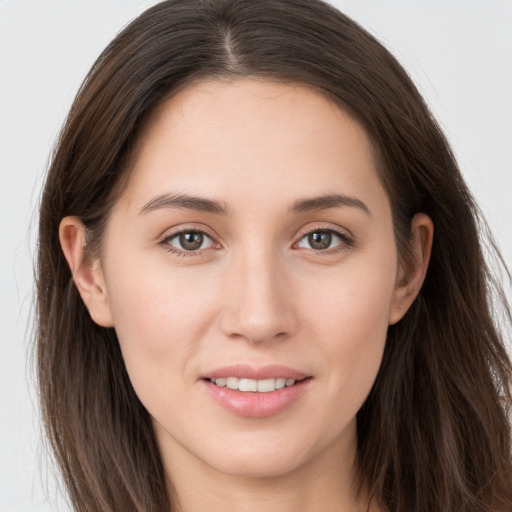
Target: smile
column 253, row 385
column 256, row 398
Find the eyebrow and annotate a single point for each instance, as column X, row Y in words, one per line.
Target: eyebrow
column 185, row 201
column 324, row 202
column 201, row 204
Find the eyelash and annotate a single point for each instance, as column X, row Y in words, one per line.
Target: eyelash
column 346, row 241
column 165, row 242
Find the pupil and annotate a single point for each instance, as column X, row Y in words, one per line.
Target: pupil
column 320, row 240
column 191, row 241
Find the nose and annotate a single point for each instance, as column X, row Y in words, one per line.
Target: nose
column 259, row 302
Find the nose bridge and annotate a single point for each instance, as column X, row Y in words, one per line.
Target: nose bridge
column 257, row 307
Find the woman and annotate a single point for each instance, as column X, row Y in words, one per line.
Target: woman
column 242, row 300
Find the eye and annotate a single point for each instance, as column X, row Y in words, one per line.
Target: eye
column 188, row 241
column 322, row 240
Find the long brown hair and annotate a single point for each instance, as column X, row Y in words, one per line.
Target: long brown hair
column 433, row 435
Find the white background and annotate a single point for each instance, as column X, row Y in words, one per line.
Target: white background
column 458, row 52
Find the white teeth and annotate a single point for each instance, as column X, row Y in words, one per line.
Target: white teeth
column 260, row 386
column 231, row 382
column 248, row 385
column 280, row 383
column 266, row 385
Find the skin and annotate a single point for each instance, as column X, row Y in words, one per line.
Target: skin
column 256, row 292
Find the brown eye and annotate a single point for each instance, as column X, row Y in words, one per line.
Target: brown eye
column 322, row 240
column 191, row 241
column 188, row 241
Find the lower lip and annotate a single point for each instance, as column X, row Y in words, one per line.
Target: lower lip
column 257, row 405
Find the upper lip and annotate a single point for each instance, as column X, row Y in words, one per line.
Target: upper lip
column 246, row 371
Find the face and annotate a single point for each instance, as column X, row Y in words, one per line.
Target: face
column 252, row 249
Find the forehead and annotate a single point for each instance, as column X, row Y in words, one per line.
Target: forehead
column 243, row 137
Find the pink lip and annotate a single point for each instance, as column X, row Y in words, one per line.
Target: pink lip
column 245, row 371
column 256, row 405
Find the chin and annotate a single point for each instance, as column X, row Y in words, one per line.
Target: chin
column 265, row 465
column 263, row 455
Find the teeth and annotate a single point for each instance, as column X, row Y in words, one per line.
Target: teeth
column 260, row 386
column 231, row 382
column 264, row 386
column 280, row 383
column 248, row 385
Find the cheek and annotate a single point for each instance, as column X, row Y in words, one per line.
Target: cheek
column 160, row 316
column 350, row 323
column 351, row 304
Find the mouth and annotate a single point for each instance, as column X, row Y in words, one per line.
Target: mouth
column 254, row 385
column 256, row 392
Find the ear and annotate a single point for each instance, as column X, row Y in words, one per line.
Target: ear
column 86, row 271
column 410, row 280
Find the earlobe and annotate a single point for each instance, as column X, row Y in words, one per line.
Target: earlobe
column 410, row 280
column 86, row 271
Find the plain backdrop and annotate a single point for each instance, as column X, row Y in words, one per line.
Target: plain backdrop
column 458, row 52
